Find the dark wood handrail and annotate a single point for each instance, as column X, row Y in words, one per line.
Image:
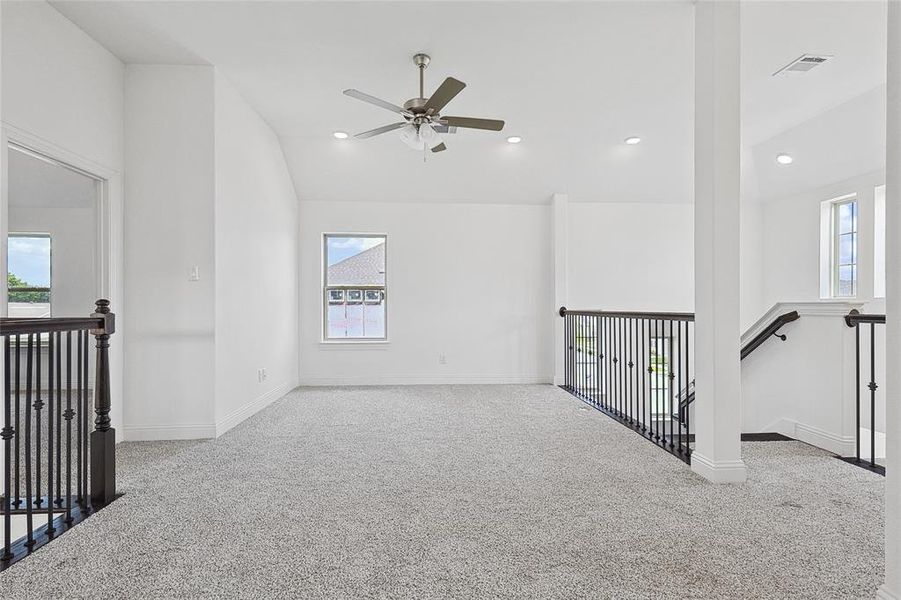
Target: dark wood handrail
column 92, row 452
column 770, row 330
column 26, row 325
column 854, row 318
column 662, row 316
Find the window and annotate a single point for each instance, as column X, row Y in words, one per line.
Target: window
column 661, row 349
column 28, row 275
column 838, row 248
column 879, row 244
column 354, row 287
column 844, row 248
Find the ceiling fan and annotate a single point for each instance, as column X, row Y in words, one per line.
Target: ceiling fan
column 423, row 123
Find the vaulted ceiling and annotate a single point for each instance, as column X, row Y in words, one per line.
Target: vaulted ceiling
column 572, row 78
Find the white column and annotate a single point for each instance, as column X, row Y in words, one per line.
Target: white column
column 892, row 586
column 560, row 216
column 717, row 419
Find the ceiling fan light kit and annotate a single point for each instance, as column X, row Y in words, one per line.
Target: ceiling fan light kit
column 423, row 123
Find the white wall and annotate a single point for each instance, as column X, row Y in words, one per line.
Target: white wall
column 60, row 84
column 169, row 225
column 471, row 282
column 62, row 93
column 256, row 262
column 630, row 256
column 804, row 387
column 791, row 242
column 207, row 188
column 73, row 234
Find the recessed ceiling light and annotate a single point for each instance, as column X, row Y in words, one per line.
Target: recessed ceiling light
column 784, row 159
column 514, row 139
column 633, row 140
column 341, row 135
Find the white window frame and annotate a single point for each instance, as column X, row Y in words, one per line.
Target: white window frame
column 325, row 287
column 829, row 248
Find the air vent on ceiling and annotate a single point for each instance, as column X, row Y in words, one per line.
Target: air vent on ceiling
column 804, row 64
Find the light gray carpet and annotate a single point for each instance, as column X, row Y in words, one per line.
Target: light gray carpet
column 461, row 492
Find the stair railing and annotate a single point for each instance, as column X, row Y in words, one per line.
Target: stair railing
column 57, row 471
column 630, row 365
column 855, row 319
column 687, row 395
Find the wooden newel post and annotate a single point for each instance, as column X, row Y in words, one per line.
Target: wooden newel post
column 103, row 438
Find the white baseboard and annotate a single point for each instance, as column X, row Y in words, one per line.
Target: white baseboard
column 198, row 431
column 827, row 440
column 251, row 408
column 730, row 471
column 883, row 593
column 153, row 433
column 426, row 380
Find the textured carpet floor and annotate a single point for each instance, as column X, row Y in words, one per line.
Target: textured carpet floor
column 461, row 492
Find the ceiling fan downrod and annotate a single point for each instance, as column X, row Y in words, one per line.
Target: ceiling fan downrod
column 422, row 61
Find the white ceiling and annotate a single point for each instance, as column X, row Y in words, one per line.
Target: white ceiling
column 573, row 78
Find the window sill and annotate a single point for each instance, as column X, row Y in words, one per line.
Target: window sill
column 353, row 344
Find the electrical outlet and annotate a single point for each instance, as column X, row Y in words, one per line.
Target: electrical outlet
column 194, row 274
column 442, row 359
column 261, row 375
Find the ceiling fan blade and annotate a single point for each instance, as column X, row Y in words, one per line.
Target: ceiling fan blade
column 471, row 123
column 379, row 130
column 377, row 101
column 439, row 148
column 444, row 94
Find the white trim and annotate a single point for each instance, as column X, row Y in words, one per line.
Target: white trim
column 197, row 431
column 883, row 593
column 729, row 471
column 251, row 408
column 152, row 433
column 110, row 239
column 823, row 308
column 323, row 277
column 354, row 344
column 462, row 379
column 827, row 440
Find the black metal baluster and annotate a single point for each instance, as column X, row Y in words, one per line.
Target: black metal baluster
column 678, row 347
column 687, row 385
column 29, row 372
column 7, row 435
column 59, row 419
column 672, row 381
column 641, row 377
column 657, row 371
column 629, row 364
column 566, row 351
column 873, row 388
column 68, row 416
column 621, row 365
column 86, row 505
column 616, row 351
column 51, row 356
column 619, row 368
column 16, row 428
column 595, row 341
column 38, row 405
column 857, row 359
column 636, row 377
column 586, row 360
column 579, row 355
column 78, row 421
